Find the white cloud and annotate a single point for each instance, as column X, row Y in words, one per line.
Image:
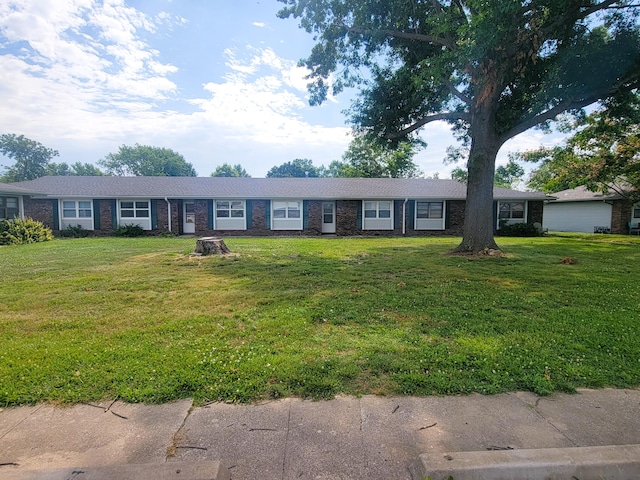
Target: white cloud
column 259, row 24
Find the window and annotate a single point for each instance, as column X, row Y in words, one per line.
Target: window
column 377, row 209
column 8, row 207
column 134, row 209
column 636, row 211
column 511, row 210
column 289, row 210
column 230, row 209
column 429, row 209
column 76, row 209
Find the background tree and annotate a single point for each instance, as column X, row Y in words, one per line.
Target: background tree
column 144, row 160
column 227, row 170
column 31, row 158
column 366, row 158
column 300, row 167
column 75, row 169
column 603, row 155
column 492, row 69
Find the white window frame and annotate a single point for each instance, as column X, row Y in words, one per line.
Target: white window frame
column 290, row 214
column 635, row 212
column 430, row 222
column 76, row 209
column 143, row 221
column 377, row 221
column 230, row 222
column 74, row 212
column 511, row 219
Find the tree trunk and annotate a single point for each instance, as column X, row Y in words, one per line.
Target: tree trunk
column 211, row 246
column 479, row 216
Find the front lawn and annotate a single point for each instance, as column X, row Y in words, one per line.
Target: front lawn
column 139, row 320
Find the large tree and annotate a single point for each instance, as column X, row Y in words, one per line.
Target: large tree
column 493, row 69
column 228, row 170
column 144, row 160
column 31, row 158
column 75, row 169
column 603, row 155
column 300, row 167
column 365, row 158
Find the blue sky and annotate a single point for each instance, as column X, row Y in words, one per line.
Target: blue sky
column 215, row 81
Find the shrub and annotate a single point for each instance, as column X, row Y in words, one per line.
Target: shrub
column 18, row 232
column 74, row 231
column 519, row 230
column 129, row 231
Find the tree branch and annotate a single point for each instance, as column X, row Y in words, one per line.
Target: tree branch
column 428, row 119
column 404, row 35
column 459, row 95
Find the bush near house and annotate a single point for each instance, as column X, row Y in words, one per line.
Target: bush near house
column 519, row 230
column 129, row 231
column 18, row 232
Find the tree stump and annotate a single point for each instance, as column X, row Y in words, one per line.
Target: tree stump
column 211, row 246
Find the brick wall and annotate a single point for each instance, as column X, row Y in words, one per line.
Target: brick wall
column 620, row 216
column 40, row 210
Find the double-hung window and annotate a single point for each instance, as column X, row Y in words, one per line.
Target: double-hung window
column 377, row 209
column 134, row 209
column 229, row 209
column 286, row 215
column 8, row 207
column 430, row 210
column 429, row 215
column 378, row 215
column 288, row 210
column 135, row 212
column 76, row 209
column 230, row 215
column 511, row 211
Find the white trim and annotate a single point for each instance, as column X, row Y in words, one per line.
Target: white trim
column 525, row 206
column 144, row 222
column 286, row 222
column 84, row 222
column 421, row 224
column 377, row 222
column 229, row 223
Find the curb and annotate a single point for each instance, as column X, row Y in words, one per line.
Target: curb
column 212, row 470
column 620, row 462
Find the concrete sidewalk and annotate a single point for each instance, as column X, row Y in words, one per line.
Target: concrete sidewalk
column 345, row 438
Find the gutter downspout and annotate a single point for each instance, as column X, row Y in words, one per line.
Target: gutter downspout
column 21, row 206
column 168, row 213
column 404, row 217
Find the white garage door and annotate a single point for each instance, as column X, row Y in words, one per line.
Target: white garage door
column 576, row 216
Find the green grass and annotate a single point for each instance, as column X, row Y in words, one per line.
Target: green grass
column 138, row 319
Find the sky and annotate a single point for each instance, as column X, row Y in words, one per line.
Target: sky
column 216, row 81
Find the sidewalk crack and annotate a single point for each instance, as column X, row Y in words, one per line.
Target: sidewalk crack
column 178, row 436
column 286, row 443
column 534, row 407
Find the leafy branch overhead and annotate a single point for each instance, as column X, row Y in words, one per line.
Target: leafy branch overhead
column 491, row 69
column 604, row 154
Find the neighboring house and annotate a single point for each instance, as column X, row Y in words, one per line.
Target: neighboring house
column 12, row 200
column 266, row 206
column 579, row 210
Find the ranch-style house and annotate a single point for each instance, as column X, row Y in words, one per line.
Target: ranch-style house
column 206, row 206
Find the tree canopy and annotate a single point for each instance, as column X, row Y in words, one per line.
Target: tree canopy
column 227, row 170
column 144, row 160
column 492, row 69
column 31, row 158
column 300, row 167
column 365, row 158
column 75, row 169
column 603, row 155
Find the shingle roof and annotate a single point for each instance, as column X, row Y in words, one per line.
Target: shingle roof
column 581, row 194
column 229, row 187
column 14, row 189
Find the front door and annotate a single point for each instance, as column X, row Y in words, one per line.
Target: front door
column 189, row 217
column 328, row 217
